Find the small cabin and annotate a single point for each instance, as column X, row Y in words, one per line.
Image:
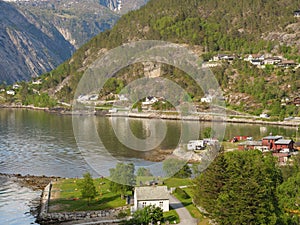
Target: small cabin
column 297, row 13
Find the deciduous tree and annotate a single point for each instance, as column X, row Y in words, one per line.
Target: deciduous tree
column 88, row 189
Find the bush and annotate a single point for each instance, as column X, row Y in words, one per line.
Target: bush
column 122, row 214
column 182, row 193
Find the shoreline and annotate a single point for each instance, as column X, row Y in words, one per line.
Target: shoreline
column 33, row 182
column 205, row 117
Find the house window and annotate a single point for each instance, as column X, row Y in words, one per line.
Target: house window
column 161, row 204
column 144, row 204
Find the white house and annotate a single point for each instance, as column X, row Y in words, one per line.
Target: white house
column 297, row 13
column 93, row 97
column 16, row 86
column 207, row 99
column 10, row 92
column 122, row 98
column 150, row 100
column 151, row 195
column 195, row 145
column 264, row 115
column 37, row 82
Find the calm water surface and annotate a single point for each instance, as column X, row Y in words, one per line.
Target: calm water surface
column 38, row 143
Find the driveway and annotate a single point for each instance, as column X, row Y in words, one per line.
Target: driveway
column 184, row 215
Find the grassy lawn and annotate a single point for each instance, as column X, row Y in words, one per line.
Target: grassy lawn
column 176, row 182
column 229, row 145
column 67, row 196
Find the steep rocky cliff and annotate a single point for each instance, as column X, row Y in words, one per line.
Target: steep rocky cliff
column 36, row 36
column 28, row 47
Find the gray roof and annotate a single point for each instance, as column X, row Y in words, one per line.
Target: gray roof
column 273, row 137
column 283, row 142
column 152, row 193
column 251, row 143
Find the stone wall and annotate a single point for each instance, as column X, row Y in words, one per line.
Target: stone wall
column 103, row 216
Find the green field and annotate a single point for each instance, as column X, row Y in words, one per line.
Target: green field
column 67, row 196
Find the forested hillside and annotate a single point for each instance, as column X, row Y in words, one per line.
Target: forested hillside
column 214, row 26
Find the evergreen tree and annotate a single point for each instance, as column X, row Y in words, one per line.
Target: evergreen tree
column 240, row 188
column 209, row 184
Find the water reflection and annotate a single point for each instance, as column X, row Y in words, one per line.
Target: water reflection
column 38, row 143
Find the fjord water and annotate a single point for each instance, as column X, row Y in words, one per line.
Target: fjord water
column 39, row 143
column 16, row 203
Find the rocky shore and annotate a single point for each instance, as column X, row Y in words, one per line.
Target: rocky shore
column 30, row 181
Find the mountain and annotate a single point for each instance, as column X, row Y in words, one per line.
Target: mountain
column 77, row 21
column 28, row 47
column 57, row 28
column 211, row 27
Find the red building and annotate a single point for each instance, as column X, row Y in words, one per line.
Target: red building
column 284, row 144
column 269, row 141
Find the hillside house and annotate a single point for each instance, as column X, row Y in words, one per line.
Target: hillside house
column 37, row 82
column 297, row 13
column 251, row 57
column 284, row 144
column 207, row 99
column 224, row 57
column 264, row 115
column 272, row 60
column 16, row 86
column 287, row 63
column 269, row 141
column 10, row 92
column 154, row 195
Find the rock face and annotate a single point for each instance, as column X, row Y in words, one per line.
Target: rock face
column 36, row 36
column 26, row 49
column 123, row 6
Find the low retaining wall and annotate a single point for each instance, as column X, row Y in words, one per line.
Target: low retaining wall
column 105, row 216
column 102, row 216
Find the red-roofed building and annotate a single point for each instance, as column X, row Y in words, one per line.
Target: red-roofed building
column 284, row 144
column 269, row 141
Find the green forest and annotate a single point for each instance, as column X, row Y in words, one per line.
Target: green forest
column 247, row 187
